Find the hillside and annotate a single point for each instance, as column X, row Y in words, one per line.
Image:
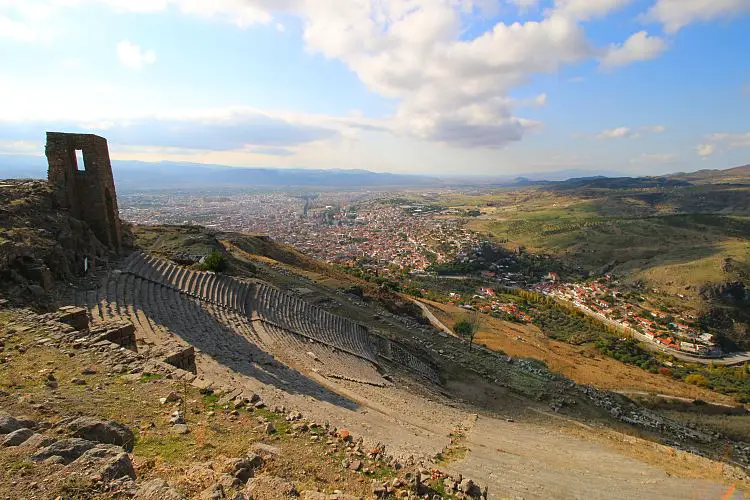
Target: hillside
column 684, row 241
column 278, row 374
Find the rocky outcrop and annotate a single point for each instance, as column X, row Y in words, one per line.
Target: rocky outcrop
column 101, row 431
column 40, row 242
column 157, row 489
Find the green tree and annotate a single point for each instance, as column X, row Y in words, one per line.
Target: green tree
column 214, row 262
column 468, row 326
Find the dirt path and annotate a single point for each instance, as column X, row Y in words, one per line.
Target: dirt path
column 528, row 461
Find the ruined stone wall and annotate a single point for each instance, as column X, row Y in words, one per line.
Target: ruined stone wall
column 87, row 190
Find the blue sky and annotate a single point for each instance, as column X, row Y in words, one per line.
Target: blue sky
column 425, row 86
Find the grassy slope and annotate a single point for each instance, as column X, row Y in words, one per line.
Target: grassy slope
column 641, row 235
column 583, row 364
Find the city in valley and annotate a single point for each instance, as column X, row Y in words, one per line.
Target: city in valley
column 419, row 246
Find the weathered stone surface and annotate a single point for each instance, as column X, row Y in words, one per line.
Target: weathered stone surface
column 228, row 482
column 213, row 492
column 102, row 431
column 157, row 489
column 172, row 397
column 8, row 423
column 379, row 489
column 87, row 191
column 109, row 462
column 183, row 358
column 67, row 449
column 312, row 495
column 179, row 429
column 466, row 486
column 268, row 487
column 74, row 316
column 17, row 437
column 35, row 442
column 265, row 450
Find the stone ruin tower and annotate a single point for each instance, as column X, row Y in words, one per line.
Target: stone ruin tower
column 80, row 173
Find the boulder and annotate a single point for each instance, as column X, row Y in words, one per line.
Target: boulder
column 107, row 461
column 244, row 468
column 265, row 450
column 466, row 485
column 266, row 487
column 8, row 423
column 312, row 495
column 35, row 442
column 102, row 431
column 17, row 437
column 157, row 489
column 379, row 489
column 213, row 492
column 172, row 397
column 229, row 482
column 67, row 449
column 116, row 467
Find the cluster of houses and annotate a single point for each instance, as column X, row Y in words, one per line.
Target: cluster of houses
column 485, row 301
column 606, row 302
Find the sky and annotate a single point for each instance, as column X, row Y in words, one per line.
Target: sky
column 438, row 87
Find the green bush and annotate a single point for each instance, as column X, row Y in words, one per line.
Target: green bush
column 214, row 262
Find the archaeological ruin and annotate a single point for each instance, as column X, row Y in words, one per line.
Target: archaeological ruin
column 81, row 175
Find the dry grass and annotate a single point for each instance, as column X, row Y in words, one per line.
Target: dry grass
column 213, row 438
column 584, row 364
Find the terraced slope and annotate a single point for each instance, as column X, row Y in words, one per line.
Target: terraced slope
column 164, row 300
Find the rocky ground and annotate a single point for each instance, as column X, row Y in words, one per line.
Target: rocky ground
column 39, row 242
column 86, row 418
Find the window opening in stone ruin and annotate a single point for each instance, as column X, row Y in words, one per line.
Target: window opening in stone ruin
column 80, row 164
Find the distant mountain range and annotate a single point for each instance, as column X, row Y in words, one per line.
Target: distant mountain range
column 144, row 176
column 138, row 176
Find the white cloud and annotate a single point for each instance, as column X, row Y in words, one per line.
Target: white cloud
column 588, row 9
column 723, row 141
column 450, row 90
column 447, row 88
column 17, row 31
column 655, row 129
column 676, row 14
column 732, row 140
column 639, row 47
column 132, row 56
column 654, row 158
column 618, row 133
column 628, row 132
column 705, row 150
column 525, row 5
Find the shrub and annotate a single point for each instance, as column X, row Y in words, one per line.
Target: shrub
column 665, row 371
column 214, row 262
column 696, row 379
column 468, row 326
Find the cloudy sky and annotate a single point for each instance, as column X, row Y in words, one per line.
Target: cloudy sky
column 428, row 86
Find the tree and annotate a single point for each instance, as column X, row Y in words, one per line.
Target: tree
column 214, row 262
column 468, row 326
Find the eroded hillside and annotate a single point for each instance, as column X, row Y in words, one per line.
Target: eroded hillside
column 279, row 377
